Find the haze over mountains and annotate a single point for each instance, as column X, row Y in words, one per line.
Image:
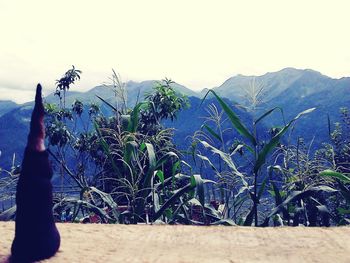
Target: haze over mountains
column 293, row 90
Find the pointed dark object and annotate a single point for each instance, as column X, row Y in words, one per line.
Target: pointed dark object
column 36, row 236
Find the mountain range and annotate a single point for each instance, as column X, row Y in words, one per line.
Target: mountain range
column 293, row 90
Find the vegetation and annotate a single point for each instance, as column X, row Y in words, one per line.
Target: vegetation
column 134, row 166
column 298, row 184
column 119, row 164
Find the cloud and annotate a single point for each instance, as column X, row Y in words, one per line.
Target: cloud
column 16, row 95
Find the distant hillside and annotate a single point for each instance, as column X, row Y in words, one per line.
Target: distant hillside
column 6, row 106
column 293, row 90
column 135, row 90
column 14, row 122
column 14, row 128
column 190, row 120
column 273, row 84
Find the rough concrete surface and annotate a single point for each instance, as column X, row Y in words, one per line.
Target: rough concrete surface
column 144, row 243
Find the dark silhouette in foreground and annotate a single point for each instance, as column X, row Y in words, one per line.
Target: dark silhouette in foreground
column 36, row 236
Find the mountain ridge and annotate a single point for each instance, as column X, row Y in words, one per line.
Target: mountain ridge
column 226, row 89
column 292, row 89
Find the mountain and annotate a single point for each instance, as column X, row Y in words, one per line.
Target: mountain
column 14, row 123
column 273, row 84
column 312, row 90
column 14, row 128
column 190, row 120
column 135, row 91
column 6, row 106
column 293, row 90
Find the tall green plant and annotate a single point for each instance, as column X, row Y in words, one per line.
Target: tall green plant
column 135, row 164
column 260, row 151
column 342, row 209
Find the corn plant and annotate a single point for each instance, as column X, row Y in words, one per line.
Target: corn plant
column 342, row 201
column 137, row 169
column 259, row 152
column 300, row 194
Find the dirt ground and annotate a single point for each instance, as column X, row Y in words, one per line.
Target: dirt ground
column 143, row 243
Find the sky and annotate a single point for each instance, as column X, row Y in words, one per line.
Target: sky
column 197, row 43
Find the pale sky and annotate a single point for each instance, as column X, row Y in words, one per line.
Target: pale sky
column 196, row 43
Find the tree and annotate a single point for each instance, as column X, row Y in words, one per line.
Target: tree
column 63, row 84
column 163, row 103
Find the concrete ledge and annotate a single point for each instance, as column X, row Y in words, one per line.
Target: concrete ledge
column 143, row 243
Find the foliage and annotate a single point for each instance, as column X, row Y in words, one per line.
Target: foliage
column 337, row 151
column 135, row 165
column 8, row 182
column 163, row 103
column 300, row 193
column 301, row 186
column 63, row 84
column 258, row 151
column 119, row 164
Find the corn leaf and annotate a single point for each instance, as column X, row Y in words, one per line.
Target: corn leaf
column 197, row 181
column 335, row 175
column 212, row 132
column 274, row 141
column 236, row 122
column 268, row 113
